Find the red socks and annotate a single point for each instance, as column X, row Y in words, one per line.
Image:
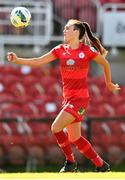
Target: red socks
column 64, row 144
column 82, row 145
column 85, row 148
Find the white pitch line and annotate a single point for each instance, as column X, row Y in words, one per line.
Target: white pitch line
column 62, row 178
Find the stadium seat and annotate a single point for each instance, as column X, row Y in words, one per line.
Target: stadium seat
column 96, row 128
column 81, row 4
column 115, row 127
column 100, row 139
column 115, row 100
column 88, row 15
column 104, row 2
column 35, row 90
column 103, row 110
column 61, row 4
column 116, row 1
column 12, row 110
column 122, row 126
column 47, row 80
column 111, row 1
column 17, row 89
column 36, row 155
column 106, row 110
column 16, row 155
column 20, row 127
column 2, row 86
column 91, row 111
column 94, row 90
column 100, row 128
column 42, row 130
column 122, row 92
column 8, row 69
column 2, row 157
column 55, row 156
column 6, row 97
column 53, row 90
column 39, row 72
column 4, row 128
column 120, row 111
column 37, row 141
column 30, row 110
column 39, row 127
column 29, row 80
column 122, row 140
column 9, row 80
column 115, row 154
column 67, row 13
column 14, row 149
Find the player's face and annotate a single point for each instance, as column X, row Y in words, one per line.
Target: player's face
column 69, row 33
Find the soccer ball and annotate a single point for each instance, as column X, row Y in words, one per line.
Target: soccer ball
column 20, row 17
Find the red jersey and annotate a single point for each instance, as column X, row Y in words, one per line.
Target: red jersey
column 74, row 66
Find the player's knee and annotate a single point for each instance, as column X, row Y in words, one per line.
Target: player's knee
column 55, row 128
column 71, row 140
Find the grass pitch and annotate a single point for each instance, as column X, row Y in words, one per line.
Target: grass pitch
column 63, row 176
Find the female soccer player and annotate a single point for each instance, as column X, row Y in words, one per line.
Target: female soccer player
column 75, row 57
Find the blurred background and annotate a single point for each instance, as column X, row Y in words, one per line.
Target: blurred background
column 30, row 98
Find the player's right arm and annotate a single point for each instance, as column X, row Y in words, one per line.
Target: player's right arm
column 48, row 57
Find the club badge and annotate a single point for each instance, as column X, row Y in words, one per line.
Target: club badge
column 81, row 55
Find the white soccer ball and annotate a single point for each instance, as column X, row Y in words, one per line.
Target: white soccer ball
column 20, row 17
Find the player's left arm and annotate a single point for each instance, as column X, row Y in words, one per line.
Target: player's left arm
column 107, row 72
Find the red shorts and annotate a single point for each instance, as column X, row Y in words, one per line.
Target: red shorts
column 76, row 107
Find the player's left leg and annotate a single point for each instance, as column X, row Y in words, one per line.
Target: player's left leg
column 84, row 146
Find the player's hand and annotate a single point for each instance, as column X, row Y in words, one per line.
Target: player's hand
column 12, row 57
column 113, row 87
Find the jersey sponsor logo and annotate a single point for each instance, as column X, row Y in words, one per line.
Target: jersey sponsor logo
column 70, row 62
column 81, row 55
column 81, row 111
column 93, row 49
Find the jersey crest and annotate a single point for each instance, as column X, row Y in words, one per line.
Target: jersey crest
column 81, row 55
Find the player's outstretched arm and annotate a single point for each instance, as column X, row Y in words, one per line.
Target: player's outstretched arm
column 107, row 73
column 12, row 57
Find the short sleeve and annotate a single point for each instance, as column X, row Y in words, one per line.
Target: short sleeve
column 92, row 52
column 56, row 51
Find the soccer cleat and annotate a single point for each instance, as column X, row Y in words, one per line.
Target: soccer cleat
column 105, row 167
column 69, row 167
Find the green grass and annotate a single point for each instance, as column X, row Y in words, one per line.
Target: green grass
column 62, row 176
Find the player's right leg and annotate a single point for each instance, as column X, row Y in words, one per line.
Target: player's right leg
column 63, row 119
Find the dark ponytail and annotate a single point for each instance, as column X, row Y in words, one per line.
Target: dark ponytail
column 94, row 40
